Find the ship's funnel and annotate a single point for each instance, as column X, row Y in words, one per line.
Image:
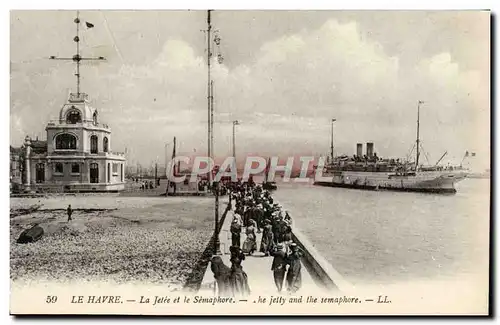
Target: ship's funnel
column 359, row 150
column 369, row 149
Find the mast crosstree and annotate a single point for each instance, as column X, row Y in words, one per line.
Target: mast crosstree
column 77, row 58
column 210, row 86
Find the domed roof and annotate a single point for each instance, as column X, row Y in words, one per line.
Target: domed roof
column 77, row 104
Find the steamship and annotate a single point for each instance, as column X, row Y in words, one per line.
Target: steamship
column 370, row 172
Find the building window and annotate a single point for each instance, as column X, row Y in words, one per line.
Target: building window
column 93, row 144
column 94, row 118
column 115, row 169
column 121, row 172
column 75, row 168
column 94, row 173
column 66, row 141
column 109, row 172
column 40, row 173
column 73, row 117
column 105, row 144
column 58, row 168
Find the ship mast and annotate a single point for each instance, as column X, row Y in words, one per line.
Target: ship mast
column 266, row 174
column 172, row 172
column 331, row 143
column 418, row 134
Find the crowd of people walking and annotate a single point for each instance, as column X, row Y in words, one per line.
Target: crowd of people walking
column 254, row 212
column 145, row 184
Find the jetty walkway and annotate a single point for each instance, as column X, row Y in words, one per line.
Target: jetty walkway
column 260, row 275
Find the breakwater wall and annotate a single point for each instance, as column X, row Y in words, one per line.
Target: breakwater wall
column 194, row 281
column 322, row 272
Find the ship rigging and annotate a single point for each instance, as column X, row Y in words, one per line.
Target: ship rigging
column 369, row 171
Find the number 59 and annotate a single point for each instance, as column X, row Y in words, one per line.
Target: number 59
column 51, row 299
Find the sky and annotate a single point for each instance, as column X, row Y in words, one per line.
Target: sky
column 285, row 75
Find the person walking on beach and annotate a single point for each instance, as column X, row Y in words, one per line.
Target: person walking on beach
column 279, row 266
column 69, row 211
column 294, row 273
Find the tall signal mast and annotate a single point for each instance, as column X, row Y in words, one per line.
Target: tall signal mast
column 77, row 58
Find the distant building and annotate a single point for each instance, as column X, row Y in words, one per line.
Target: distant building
column 15, row 165
column 77, row 155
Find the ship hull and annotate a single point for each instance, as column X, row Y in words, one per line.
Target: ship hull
column 382, row 188
column 423, row 182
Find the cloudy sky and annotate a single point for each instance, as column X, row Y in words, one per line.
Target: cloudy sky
column 285, row 75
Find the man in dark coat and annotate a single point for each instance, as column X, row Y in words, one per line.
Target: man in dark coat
column 258, row 216
column 238, row 278
column 267, row 242
column 294, row 273
column 248, row 214
column 275, row 228
column 279, row 266
column 236, row 231
column 222, row 275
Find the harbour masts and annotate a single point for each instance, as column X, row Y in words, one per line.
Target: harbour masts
column 266, row 175
column 331, row 143
column 169, row 168
column 166, row 159
column 235, row 122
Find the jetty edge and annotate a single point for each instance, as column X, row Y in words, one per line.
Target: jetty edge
column 323, row 273
column 196, row 280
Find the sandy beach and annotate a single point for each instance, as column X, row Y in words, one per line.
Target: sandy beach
column 143, row 239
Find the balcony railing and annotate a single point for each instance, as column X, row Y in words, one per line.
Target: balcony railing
column 109, row 153
column 74, row 97
column 58, row 122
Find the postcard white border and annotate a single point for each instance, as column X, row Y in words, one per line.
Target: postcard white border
column 148, row 4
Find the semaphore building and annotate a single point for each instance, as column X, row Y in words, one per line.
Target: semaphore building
column 78, row 154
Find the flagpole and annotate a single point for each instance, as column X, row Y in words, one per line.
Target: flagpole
column 212, row 119
column 209, row 92
column 77, row 40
